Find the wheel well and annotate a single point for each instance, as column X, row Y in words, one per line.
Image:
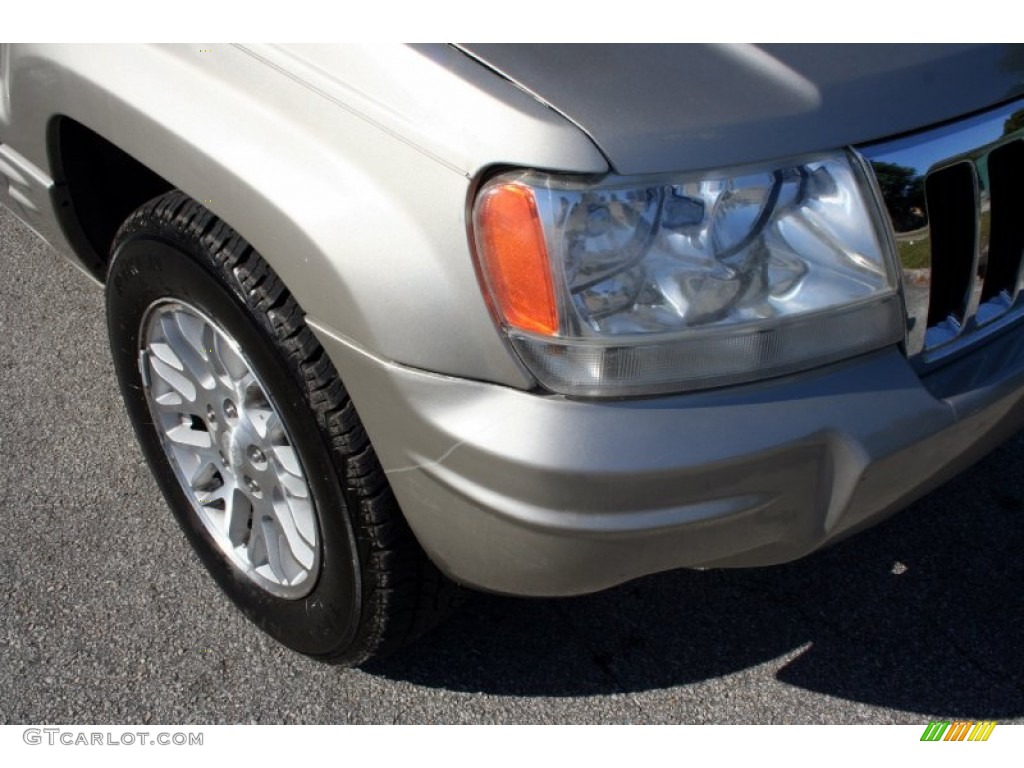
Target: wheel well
column 96, row 186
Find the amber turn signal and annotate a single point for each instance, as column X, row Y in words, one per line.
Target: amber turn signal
column 514, row 258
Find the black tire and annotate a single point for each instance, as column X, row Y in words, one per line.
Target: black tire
column 375, row 589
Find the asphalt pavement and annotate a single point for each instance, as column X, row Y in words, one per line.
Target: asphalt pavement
column 106, row 615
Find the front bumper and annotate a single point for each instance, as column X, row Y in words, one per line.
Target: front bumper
column 530, row 494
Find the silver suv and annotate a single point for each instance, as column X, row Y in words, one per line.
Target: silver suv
column 531, row 319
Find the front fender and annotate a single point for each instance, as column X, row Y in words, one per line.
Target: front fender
column 340, row 165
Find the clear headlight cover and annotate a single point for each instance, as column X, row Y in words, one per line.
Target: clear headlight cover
column 627, row 286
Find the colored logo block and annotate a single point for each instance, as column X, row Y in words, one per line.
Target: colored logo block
column 958, row 730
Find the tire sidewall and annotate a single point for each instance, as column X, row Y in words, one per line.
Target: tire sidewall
column 146, row 269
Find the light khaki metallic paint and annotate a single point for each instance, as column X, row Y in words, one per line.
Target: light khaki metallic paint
column 355, row 192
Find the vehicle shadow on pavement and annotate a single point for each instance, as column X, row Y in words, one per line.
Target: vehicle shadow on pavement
column 924, row 613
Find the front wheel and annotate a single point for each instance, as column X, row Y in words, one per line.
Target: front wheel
column 255, row 444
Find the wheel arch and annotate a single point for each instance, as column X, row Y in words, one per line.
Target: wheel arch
column 95, row 187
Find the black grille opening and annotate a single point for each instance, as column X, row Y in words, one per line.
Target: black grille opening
column 951, row 195
column 1006, row 241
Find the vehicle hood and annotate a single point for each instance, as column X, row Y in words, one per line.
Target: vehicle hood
column 653, row 108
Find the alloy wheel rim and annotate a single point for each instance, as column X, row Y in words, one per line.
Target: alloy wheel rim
column 230, row 449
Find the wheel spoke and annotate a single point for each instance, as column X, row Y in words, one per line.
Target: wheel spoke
column 288, row 459
column 238, row 517
column 264, row 420
column 164, row 352
column 230, row 364
column 256, row 549
column 250, row 387
column 172, row 402
column 298, row 546
column 281, row 540
column 302, row 514
column 276, row 556
column 294, row 486
column 215, row 485
column 201, row 469
column 194, row 362
column 174, row 378
column 185, row 434
column 197, row 333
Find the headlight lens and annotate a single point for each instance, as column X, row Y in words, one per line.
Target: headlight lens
column 624, row 286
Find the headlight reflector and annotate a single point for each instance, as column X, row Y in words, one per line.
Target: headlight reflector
column 669, row 284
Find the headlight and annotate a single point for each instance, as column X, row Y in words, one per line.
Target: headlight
column 627, row 286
